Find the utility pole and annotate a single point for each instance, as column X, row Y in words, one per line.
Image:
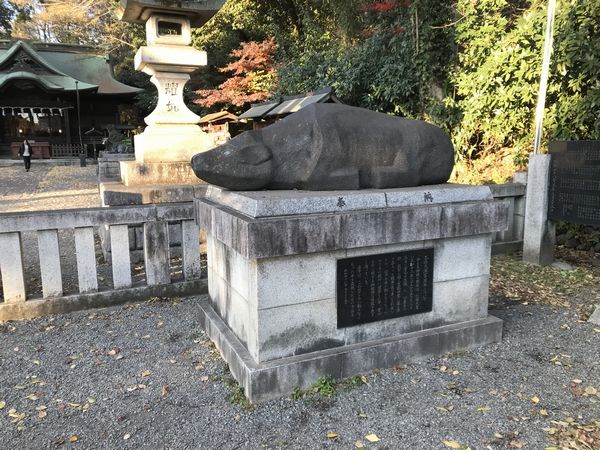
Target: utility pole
column 541, row 104
column 78, row 113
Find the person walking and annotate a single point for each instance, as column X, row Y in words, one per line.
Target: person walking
column 26, row 152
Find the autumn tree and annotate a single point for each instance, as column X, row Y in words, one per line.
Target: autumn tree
column 85, row 22
column 252, row 77
column 7, row 14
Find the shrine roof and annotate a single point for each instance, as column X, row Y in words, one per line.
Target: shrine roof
column 59, row 67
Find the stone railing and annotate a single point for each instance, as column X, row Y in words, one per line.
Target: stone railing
column 510, row 240
column 154, row 277
column 67, row 150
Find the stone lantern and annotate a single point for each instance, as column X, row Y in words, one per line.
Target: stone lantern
column 164, row 150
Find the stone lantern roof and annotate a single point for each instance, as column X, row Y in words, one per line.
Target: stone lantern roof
column 199, row 11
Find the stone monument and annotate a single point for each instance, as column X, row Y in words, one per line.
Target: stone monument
column 331, row 146
column 161, row 170
column 304, row 283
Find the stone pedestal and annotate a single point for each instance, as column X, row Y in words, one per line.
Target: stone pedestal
column 275, row 279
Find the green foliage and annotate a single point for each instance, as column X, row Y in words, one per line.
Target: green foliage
column 236, row 393
column 497, row 78
column 575, row 88
column 399, row 65
column 325, row 386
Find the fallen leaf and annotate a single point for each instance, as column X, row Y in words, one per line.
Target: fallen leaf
column 498, row 436
column 204, row 378
column 2, row 404
column 483, row 408
column 543, row 412
column 596, row 330
column 40, row 408
column 73, row 439
column 535, row 399
column 360, row 445
column 127, row 436
column 165, row 391
column 19, row 388
column 91, row 400
column 146, row 373
column 42, row 414
column 332, row 435
column 31, row 397
column 590, row 390
column 577, row 381
column 372, row 438
column 452, row 444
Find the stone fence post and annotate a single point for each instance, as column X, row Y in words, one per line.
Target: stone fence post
column 539, row 234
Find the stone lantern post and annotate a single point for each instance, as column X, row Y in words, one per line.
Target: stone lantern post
column 164, row 150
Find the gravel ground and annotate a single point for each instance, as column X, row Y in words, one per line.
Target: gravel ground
column 144, row 376
column 48, row 187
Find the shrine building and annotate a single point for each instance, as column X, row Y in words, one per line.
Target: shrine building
column 40, row 84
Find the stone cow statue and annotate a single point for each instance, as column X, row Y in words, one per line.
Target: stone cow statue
column 329, row 147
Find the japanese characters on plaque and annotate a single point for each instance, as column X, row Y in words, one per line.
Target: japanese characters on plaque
column 574, row 192
column 385, row 286
column 171, row 89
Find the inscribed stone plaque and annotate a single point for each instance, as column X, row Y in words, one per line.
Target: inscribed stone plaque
column 574, row 192
column 385, row 286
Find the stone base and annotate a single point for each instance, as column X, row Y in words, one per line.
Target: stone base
column 134, row 173
column 273, row 273
column 114, row 193
column 278, row 378
column 171, row 143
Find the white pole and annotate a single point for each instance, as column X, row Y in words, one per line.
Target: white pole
column 541, row 104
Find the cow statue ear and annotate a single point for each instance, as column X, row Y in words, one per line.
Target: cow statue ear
column 254, row 154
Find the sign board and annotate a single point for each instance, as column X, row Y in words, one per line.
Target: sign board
column 385, row 286
column 574, row 192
